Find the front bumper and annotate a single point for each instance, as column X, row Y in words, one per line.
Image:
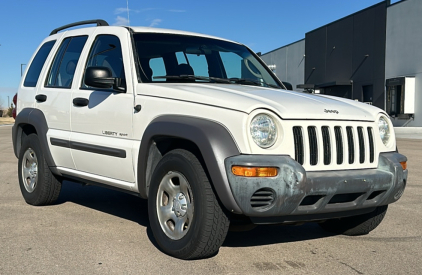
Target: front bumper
column 314, row 195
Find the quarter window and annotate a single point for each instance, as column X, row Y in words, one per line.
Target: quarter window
column 37, row 64
column 64, row 64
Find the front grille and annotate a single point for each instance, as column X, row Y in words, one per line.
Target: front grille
column 337, row 145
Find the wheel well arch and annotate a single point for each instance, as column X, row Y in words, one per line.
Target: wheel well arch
column 23, row 130
column 29, row 121
column 161, row 145
column 208, row 140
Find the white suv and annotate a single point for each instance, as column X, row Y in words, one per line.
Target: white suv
column 200, row 127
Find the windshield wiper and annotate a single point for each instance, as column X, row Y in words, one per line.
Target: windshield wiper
column 219, row 80
column 194, row 77
column 252, row 82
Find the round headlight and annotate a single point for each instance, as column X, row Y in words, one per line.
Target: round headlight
column 384, row 130
column 263, row 130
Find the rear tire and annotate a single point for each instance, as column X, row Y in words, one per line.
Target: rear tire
column 38, row 185
column 185, row 216
column 356, row 225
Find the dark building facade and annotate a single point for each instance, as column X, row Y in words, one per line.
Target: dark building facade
column 346, row 58
column 373, row 56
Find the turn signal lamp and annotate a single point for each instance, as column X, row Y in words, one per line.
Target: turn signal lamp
column 404, row 165
column 263, row 172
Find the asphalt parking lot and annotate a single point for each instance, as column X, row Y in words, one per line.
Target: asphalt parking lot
column 98, row 231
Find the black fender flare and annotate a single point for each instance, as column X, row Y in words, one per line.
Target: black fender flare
column 213, row 140
column 36, row 118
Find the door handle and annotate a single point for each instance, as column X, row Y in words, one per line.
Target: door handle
column 80, row 101
column 41, row 98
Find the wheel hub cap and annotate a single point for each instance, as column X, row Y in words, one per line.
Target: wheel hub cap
column 180, row 205
column 30, row 170
column 175, row 209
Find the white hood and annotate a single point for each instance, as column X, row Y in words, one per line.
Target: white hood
column 287, row 104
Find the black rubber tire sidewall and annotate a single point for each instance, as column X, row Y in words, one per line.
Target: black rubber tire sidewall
column 44, row 182
column 179, row 248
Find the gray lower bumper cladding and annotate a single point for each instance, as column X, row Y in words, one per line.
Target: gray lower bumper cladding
column 295, row 192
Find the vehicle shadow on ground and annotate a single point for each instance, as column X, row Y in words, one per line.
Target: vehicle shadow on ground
column 273, row 234
column 108, row 201
column 135, row 209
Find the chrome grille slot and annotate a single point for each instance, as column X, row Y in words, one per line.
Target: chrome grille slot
column 326, row 144
column 371, row 145
column 298, row 139
column 351, row 144
column 313, row 145
column 339, row 144
column 361, row 145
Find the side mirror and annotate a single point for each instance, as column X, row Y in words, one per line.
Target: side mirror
column 288, row 86
column 101, row 77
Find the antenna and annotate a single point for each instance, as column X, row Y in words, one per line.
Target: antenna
column 127, row 6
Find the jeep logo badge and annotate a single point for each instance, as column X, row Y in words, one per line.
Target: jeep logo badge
column 330, row 111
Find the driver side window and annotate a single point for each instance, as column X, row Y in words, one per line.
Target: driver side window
column 107, row 52
column 232, row 64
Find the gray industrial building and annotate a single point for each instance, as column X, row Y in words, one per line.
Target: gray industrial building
column 373, row 56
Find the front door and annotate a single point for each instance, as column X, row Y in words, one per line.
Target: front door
column 101, row 119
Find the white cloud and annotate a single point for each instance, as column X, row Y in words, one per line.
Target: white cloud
column 176, row 10
column 121, row 21
column 147, row 9
column 155, row 22
column 123, row 10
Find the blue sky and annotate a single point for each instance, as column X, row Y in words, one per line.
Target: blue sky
column 263, row 26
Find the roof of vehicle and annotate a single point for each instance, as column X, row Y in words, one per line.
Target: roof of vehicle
column 103, row 24
column 170, row 31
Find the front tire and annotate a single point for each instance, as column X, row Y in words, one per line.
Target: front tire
column 38, row 185
column 185, row 216
column 356, row 225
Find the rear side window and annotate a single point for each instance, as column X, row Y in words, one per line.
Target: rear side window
column 64, row 65
column 37, row 64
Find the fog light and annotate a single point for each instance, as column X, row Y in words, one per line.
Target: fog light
column 243, row 171
column 404, row 165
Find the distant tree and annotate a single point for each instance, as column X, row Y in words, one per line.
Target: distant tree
column 2, row 111
column 10, row 110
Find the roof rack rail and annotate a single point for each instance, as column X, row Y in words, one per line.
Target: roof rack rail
column 99, row 22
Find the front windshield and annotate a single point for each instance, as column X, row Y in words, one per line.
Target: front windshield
column 170, row 58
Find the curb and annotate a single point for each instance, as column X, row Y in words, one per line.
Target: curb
column 408, row 130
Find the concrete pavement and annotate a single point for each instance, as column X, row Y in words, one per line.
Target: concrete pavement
column 91, row 230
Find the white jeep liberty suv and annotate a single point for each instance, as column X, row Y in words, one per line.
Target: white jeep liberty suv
column 200, row 127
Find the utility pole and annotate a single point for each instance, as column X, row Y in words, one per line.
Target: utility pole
column 8, row 103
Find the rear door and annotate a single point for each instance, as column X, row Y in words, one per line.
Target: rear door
column 102, row 138
column 54, row 97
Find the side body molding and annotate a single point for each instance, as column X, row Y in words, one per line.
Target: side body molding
column 213, row 140
column 36, row 118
